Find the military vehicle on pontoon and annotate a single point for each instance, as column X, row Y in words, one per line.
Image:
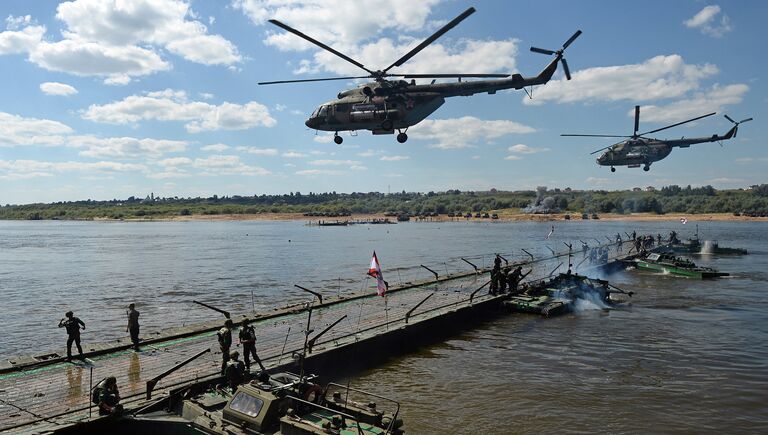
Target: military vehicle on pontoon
column 283, row 403
column 559, row 295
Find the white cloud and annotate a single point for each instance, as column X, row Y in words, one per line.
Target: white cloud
column 368, row 153
column 293, row 155
column 13, row 23
column 465, row 132
column 323, row 138
column 227, row 165
column 162, row 23
column 361, row 37
column 169, row 173
column 358, row 168
column 24, row 169
column 178, row 167
column 727, row 180
column 118, row 39
column 176, row 161
column 512, row 157
column 87, row 58
column 394, row 158
column 16, row 130
column 21, row 41
column 217, row 147
column 320, row 18
column 259, row 151
column 713, row 100
column 55, row 88
column 660, row 77
column 170, row 105
column 706, row 21
column 125, row 147
column 525, row 149
column 334, row 162
column 751, row 160
column 597, row 181
column 312, row 172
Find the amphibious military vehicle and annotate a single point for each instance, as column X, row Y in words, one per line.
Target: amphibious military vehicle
column 560, row 295
column 668, row 263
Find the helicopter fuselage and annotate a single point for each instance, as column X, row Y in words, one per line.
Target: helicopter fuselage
column 643, row 151
column 388, row 105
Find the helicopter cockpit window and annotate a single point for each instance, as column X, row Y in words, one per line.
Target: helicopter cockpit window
column 323, row 111
column 314, row 114
column 246, row 404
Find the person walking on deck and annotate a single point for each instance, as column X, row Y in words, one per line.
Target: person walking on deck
column 133, row 325
column 225, row 342
column 72, row 325
column 248, row 340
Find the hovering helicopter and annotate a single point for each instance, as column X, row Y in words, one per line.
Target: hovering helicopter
column 639, row 150
column 383, row 106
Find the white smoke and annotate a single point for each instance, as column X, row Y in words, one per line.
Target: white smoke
column 542, row 204
column 708, row 247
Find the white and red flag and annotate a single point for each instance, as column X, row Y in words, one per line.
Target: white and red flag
column 683, row 220
column 375, row 271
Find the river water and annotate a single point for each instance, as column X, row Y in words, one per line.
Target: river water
column 685, row 356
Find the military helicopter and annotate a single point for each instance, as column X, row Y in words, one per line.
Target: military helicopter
column 383, row 106
column 639, row 150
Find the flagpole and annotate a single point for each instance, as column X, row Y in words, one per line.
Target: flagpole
column 386, row 313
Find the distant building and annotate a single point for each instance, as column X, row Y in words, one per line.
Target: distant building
column 650, row 189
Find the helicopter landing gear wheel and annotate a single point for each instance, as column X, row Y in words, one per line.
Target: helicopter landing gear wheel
column 613, row 169
column 402, row 137
column 387, row 124
column 647, row 168
column 338, row 139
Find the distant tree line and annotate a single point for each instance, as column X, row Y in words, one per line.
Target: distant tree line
column 668, row 199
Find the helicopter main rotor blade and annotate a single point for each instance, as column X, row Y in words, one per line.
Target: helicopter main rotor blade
column 320, row 44
column 541, row 50
column 637, row 120
column 432, row 38
column 729, row 118
column 312, row 80
column 745, row 120
column 571, row 39
column 594, row 135
column 437, row 76
column 565, row 68
column 679, row 123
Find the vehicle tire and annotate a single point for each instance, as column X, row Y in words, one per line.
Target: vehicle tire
column 647, row 168
column 402, row 137
column 338, row 140
column 613, row 169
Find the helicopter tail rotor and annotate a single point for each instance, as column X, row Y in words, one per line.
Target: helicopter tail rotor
column 559, row 53
column 736, row 124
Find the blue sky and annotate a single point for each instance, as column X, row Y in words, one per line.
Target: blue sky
column 107, row 99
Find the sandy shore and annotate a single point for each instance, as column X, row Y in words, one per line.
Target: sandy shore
column 504, row 216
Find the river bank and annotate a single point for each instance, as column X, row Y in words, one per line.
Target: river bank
column 504, row 216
